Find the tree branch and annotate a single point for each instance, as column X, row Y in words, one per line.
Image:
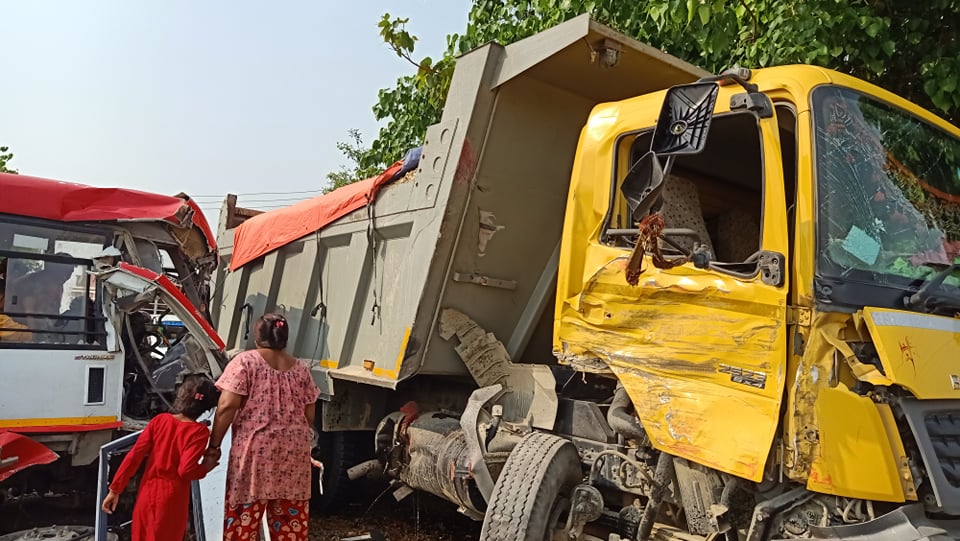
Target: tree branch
column 402, row 54
column 752, row 16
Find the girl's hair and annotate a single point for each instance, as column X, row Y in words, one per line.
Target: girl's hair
column 195, row 395
column 271, row 331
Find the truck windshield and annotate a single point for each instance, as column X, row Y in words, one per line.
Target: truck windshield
column 889, row 194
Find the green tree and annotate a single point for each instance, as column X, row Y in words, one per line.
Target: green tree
column 354, row 151
column 910, row 48
column 5, row 157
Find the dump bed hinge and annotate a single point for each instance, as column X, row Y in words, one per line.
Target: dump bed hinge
column 799, row 315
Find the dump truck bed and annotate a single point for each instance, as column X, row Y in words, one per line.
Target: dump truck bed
column 476, row 227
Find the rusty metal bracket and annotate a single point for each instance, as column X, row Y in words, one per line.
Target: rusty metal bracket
column 772, row 268
column 480, row 280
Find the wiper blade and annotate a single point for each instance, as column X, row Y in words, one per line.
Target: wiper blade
column 927, row 300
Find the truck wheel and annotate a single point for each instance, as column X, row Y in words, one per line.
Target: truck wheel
column 339, row 451
column 531, row 495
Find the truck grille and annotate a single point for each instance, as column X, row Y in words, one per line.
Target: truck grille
column 936, row 426
column 944, row 431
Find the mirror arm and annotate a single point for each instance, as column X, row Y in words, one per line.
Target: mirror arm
column 756, row 102
column 667, row 166
column 740, row 76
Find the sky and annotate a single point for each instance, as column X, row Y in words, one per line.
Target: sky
column 203, row 97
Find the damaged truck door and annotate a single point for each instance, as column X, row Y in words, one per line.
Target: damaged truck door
column 732, row 299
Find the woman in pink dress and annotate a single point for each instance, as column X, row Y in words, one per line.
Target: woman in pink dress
column 269, row 397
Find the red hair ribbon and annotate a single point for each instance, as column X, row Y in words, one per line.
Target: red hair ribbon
column 198, row 396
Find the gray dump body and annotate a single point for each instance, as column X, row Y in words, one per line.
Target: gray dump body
column 477, row 229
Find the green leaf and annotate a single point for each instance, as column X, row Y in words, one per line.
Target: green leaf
column 704, row 12
column 941, row 100
column 889, row 47
column 949, row 83
column 873, row 29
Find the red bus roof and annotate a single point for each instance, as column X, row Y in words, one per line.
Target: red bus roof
column 69, row 202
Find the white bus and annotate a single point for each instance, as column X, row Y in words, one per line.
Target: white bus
column 104, row 307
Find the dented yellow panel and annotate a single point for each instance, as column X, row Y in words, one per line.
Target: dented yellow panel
column 905, row 474
column 699, row 354
column 917, row 351
column 855, row 458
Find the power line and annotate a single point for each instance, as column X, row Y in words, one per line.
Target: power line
column 263, row 207
column 253, row 203
column 248, row 206
column 253, row 193
column 256, row 200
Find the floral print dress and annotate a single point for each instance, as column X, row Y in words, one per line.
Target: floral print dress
column 270, row 453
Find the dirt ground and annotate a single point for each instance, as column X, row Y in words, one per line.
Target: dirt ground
column 436, row 520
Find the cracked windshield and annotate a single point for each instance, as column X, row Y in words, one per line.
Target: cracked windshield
column 889, row 187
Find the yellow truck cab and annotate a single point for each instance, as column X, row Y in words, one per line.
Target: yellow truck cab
column 801, row 322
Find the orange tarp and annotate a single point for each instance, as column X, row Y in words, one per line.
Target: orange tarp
column 266, row 232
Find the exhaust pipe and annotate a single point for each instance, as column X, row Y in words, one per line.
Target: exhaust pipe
column 428, row 453
column 364, row 469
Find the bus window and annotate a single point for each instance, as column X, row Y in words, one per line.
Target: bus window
column 49, row 299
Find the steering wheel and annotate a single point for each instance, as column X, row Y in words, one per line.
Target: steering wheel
column 154, row 340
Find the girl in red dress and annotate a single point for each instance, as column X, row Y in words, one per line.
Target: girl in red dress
column 173, row 445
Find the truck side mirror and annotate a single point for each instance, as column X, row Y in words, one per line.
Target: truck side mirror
column 642, row 186
column 685, row 119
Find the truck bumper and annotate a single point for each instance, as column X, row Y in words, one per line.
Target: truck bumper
column 18, row 452
column 907, row 523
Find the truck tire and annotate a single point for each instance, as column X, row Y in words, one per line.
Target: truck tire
column 539, row 475
column 339, row 451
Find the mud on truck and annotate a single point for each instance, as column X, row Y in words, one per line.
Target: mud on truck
column 617, row 297
column 91, row 277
